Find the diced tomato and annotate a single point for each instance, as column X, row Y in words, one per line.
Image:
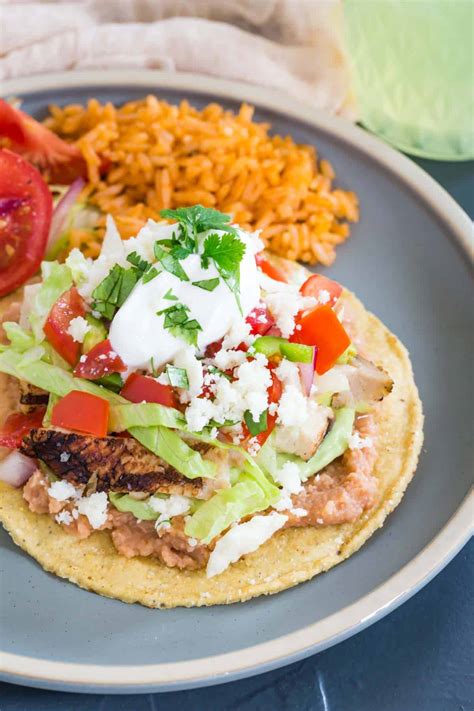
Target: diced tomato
column 99, row 361
column 268, row 268
column 17, row 425
column 274, row 395
column 83, row 412
column 26, row 207
column 260, row 320
column 60, row 161
column 321, row 327
column 317, row 283
column 70, row 305
column 213, row 348
column 141, row 388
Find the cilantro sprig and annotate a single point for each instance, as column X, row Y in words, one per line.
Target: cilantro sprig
column 255, row 427
column 144, row 269
column 226, row 251
column 179, row 324
column 197, row 219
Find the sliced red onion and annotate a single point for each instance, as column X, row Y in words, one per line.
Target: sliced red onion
column 16, row 469
column 62, row 210
column 307, row 373
column 8, row 204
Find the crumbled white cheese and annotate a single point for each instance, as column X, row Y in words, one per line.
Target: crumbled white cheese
column 239, row 332
column 301, row 421
column 112, row 252
column 186, row 359
column 174, row 505
column 64, row 517
column 62, row 490
column 226, row 360
column 64, row 457
column 358, row 442
column 284, row 306
column 78, row 327
column 253, row 446
column 241, row 539
column 288, row 476
column 324, row 296
column 232, row 399
column 94, row 507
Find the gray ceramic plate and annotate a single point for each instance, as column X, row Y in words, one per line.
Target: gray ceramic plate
column 408, row 261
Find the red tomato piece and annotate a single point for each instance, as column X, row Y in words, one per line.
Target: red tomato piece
column 268, row 268
column 321, row 327
column 260, row 320
column 317, row 283
column 141, row 388
column 83, row 412
column 17, row 425
column 99, row 361
column 70, row 305
column 26, row 207
column 61, row 161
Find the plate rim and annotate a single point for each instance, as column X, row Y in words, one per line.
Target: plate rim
column 377, row 603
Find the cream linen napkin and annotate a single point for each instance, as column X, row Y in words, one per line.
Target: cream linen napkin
column 292, row 45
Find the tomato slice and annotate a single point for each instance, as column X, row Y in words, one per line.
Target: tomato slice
column 99, row 361
column 268, row 268
column 61, row 161
column 70, row 305
column 321, row 327
column 318, row 283
column 83, row 412
column 141, row 388
column 260, row 320
column 17, row 425
column 26, row 207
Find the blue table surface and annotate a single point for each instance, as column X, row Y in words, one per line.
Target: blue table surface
column 419, row 658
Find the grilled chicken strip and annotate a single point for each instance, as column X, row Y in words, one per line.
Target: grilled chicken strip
column 367, row 382
column 31, row 397
column 118, row 464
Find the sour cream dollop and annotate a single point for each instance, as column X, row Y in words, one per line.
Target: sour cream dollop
column 137, row 333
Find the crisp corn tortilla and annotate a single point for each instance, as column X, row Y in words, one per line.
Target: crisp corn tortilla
column 290, row 557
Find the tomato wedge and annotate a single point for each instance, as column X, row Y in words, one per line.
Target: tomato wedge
column 99, row 361
column 70, row 305
column 268, row 268
column 26, row 207
column 141, row 388
column 83, row 412
column 318, row 283
column 61, row 161
column 321, row 327
column 17, row 425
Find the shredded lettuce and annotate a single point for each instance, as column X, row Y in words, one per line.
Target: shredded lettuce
column 57, row 279
column 168, row 445
column 20, row 339
column 127, row 504
column 225, row 507
column 50, row 377
column 144, row 414
column 333, row 445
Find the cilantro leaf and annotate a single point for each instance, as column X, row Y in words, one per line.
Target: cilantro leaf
column 197, row 219
column 112, row 291
column 227, row 252
column 207, row 284
column 143, row 268
column 170, row 263
column 178, row 377
column 179, row 324
column 169, row 296
column 255, row 427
